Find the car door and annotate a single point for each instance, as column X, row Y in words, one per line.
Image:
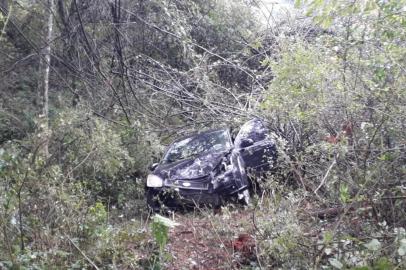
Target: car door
column 255, row 146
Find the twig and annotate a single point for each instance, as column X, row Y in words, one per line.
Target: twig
column 84, row 160
column 325, row 176
column 3, row 31
column 393, row 198
column 83, row 254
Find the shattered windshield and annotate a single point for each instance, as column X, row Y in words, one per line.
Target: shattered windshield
column 212, row 141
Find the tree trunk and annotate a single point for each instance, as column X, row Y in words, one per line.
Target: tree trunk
column 47, row 65
column 5, row 8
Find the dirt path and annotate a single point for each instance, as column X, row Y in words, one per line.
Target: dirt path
column 212, row 241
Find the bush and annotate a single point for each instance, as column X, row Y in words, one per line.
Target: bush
column 339, row 109
column 51, row 204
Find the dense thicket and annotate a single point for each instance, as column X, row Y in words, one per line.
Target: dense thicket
column 127, row 76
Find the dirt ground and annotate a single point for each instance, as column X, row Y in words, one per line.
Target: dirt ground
column 210, row 242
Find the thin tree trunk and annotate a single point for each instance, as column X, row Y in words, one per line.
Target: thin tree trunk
column 47, row 58
column 5, row 5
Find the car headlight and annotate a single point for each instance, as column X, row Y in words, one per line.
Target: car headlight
column 154, row 181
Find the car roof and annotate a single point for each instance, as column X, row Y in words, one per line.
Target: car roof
column 197, row 133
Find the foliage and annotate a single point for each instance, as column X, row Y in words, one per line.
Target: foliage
column 128, row 76
column 88, row 161
column 160, row 232
column 98, row 154
column 337, row 103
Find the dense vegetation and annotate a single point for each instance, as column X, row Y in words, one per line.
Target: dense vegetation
column 92, row 91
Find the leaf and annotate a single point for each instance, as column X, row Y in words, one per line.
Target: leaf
column 326, row 22
column 160, row 233
column 344, row 193
column 298, row 3
column 373, row 245
column 318, row 3
column 327, row 237
column 336, row 263
column 257, row 44
column 165, row 221
column 371, row 5
column 383, row 264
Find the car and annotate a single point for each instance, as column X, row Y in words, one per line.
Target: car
column 209, row 167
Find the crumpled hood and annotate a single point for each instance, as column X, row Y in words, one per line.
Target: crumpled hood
column 190, row 168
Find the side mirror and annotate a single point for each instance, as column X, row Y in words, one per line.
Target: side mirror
column 246, row 142
column 153, row 166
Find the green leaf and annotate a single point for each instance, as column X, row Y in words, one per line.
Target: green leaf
column 257, row 44
column 160, row 233
column 165, row 221
column 317, row 3
column 385, row 157
column 328, row 237
column 327, row 21
column 383, row 264
column 370, row 5
column 344, row 194
column 298, row 3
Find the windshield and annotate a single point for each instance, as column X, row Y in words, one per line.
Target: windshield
column 212, row 141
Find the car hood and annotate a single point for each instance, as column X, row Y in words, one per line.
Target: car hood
column 196, row 167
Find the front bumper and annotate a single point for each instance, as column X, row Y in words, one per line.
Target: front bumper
column 175, row 198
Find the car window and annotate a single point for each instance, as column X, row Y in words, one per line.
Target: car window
column 253, row 129
column 192, row 146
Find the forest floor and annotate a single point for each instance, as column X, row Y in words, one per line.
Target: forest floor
column 236, row 237
column 217, row 240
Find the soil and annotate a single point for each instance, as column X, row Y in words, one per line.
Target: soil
column 212, row 241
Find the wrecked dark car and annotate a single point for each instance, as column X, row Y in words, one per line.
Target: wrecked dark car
column 210, row 167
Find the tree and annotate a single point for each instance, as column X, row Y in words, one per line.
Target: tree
column 46, row 61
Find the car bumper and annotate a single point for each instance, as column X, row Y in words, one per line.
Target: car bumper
column 174, row 198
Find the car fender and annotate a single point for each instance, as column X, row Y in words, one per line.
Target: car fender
column 234, row 178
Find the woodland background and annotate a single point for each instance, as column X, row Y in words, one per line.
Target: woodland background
column 92, row 91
